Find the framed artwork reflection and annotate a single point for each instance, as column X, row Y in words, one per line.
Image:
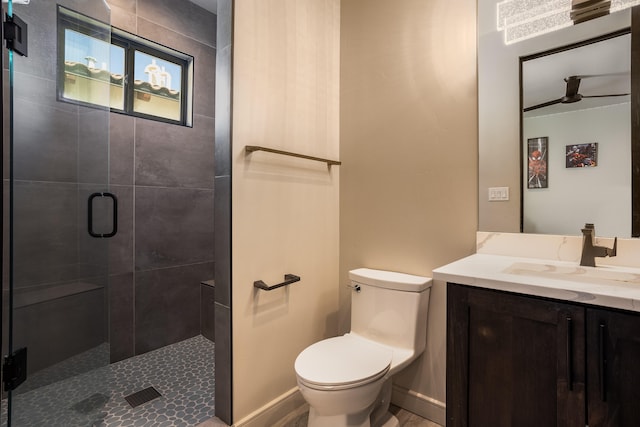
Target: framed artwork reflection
column 582, row 155
column 538, row 169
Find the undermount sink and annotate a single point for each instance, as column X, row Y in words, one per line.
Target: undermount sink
column 595, row 275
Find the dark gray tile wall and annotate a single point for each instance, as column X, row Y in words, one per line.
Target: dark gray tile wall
column 121, row 319
column 121, row 144
column 93, row 145
column 174, row 226
column 224, row 359
column 121, row 245
column 45, row 142
column 207, row 311
column 164, row 177
column 167, row 305
column 125, row 17
column 222, row 230
column 181, row 16
column 222, row 215
column 45, row 249
column 175, row 156
column 127, row 5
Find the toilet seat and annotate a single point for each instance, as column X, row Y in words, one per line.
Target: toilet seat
column 342, row 362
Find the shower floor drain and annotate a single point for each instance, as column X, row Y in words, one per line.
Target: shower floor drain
column 142, row 396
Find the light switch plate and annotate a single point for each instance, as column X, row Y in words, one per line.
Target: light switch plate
column 498, row 194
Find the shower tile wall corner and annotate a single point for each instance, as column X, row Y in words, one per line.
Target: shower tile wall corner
column 222, row 215
column 167, row 305
column 165, row 174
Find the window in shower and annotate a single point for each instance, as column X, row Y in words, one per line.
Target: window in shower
column 107, row 67
column 157, row 85
column 93, row 70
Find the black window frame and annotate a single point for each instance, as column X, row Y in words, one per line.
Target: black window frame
column 131, row 43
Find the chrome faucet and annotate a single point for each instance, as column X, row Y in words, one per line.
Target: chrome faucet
column 590, row 251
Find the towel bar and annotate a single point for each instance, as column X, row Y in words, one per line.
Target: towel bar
column 252, row 148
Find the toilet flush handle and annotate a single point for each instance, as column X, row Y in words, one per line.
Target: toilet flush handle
column 355, row 287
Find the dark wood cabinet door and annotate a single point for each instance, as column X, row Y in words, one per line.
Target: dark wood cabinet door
column 513, row 360
column 613, row 346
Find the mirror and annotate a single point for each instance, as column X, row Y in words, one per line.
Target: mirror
column 499, row 117
column 576, row 136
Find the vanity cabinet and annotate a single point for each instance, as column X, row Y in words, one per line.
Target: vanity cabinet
column 515, row 360
column 613, row 368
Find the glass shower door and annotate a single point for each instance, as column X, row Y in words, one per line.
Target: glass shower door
column 60, row 214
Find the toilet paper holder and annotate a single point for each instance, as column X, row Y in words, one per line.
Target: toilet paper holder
column 288, row 279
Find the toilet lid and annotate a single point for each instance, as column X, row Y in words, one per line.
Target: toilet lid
column 343, row 360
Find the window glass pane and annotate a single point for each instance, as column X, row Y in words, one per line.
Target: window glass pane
column 93, row 70
column 157, row 85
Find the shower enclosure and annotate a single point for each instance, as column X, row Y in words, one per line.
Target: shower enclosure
column 59, row 213
column 84, row 291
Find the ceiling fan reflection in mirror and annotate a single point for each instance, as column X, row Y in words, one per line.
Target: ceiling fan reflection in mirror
column 572, row 95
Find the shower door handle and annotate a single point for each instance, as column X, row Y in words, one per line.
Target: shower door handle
column 114, row 223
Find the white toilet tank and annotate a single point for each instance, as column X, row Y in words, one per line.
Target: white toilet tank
column 390, row 308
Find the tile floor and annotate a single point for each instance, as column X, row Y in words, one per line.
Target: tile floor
column 183, row 373
column 299, row 419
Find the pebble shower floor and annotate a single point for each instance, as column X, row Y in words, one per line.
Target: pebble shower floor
column 183, row 373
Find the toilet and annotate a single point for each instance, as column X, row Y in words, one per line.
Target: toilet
column 346, row 380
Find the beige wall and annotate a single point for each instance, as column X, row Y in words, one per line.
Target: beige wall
column 408, row 140
column 285, row 210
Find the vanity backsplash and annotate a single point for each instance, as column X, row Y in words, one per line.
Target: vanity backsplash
column 554, row 247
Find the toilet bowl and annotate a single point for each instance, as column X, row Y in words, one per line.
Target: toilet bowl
column 347, row 379
column 343, row 395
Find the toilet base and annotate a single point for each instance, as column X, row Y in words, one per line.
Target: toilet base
column 315, row 420
column 388, row 421
column 342, row 420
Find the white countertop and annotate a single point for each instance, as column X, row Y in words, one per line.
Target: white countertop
column 607, row 286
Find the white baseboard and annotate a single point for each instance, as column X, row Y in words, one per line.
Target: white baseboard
column 277, row 412
column 291, row 404
column 419, row 404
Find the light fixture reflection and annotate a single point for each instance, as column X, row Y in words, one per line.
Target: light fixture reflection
column 523, row 19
